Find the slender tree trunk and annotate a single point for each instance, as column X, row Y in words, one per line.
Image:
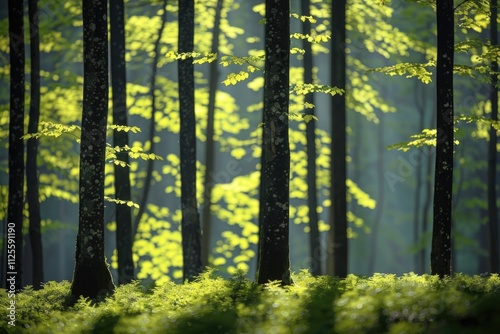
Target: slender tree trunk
column 312, row 197
column 419, row 100
column 210, row 151
column 152, row 131
column 35, row 232
column 16, row 145
column 338, row 211
column 441, row 233
column 274, row 253
column 191, row 233
column 261, row 198
column 492, row 151
column 483, row 260
column 92, row 277
column 124, row 239
column 427, row 201
column 380, row 194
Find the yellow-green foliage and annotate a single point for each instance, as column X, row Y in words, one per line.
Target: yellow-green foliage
column 378, row 304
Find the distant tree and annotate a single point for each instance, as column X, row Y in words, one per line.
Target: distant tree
column 35, row 234
column 124, row 236
column 418, row 232
column 312, row 192
column 16, row 131
column 191, row 233
column 274, row 252
column 91, row 276
column 152, row 122
column 338, row 251
column 492, row 149
column 443, row 183
column 381, row 147
column 210, row 148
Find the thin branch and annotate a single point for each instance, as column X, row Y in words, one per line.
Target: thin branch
column 460, row 4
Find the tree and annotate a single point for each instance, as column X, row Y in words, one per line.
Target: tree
column 190, row 225
column 35, row 234
column 338, row 256
column 380, row 194
column 443, row 183
column 16, row 145
column 152, row 122
column 312, row 196
column 91, row 276
column 209, row 152
column 124, row 237
column 492, row 150
column 274, row 257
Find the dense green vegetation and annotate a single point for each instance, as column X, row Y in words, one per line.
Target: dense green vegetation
column 211, row 304
column 261, row 153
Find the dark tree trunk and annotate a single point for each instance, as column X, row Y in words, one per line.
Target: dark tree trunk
column 92, row 277
column 338, row 250
column 274, row 253
column 16, row 145
column 261, row 199
column 443, row 183
column 191, row 233
column 209, row 152
column 312, row 197
column 35, row 232
column 152, row 131
column 124, row 239
column 492, row 151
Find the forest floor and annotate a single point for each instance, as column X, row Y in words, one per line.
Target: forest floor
column 212, row 304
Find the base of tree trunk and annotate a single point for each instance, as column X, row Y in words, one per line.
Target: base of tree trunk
column 92, row 281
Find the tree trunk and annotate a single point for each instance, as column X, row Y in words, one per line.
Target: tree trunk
column 419, row 101
column 380, row 193
column 209, row 152
column 32, row 150
column 124, row 239
column 191, row 234
column 152, row 131
column 274, row 253
column 443, row 184
column 312, row 197
column 338, row 250
column 492, row 151
column 91, row 277
column 427, row 201
column 16, row 145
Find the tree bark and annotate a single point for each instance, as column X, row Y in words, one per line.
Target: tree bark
column 312, row 196
column 274, row 253
column 338, row 250
column 124, row 240
column 92, row 277
column 16, row 144
column 210, row 151
column 492, row 151
column 35, row 233
column 191, row 233
column 443, row 184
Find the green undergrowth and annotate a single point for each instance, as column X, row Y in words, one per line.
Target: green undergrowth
column 212, row 304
